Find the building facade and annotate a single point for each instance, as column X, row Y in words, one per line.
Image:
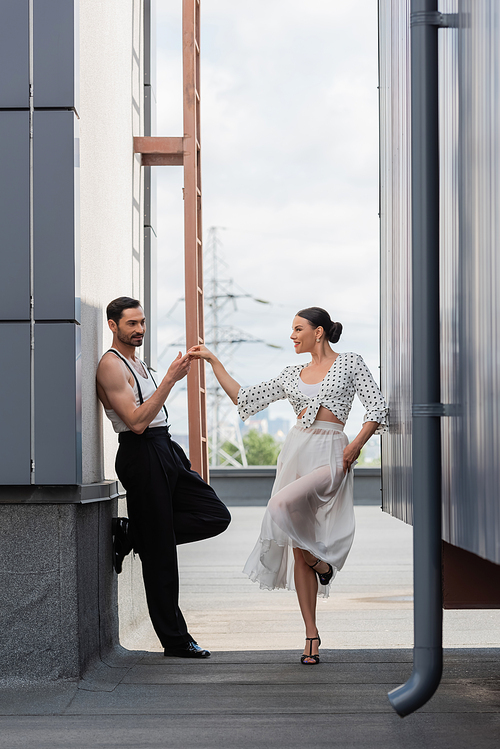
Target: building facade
column 78, row 231
column 469, row 284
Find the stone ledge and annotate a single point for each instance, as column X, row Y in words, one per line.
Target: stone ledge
column 101, row 491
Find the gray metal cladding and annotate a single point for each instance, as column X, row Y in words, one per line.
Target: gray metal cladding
column 476, row 526
column 451, row 350
column 14, row 54
column 395, row 230
column 58, row 429
column 469, row 92
column 15, row 403
column 55, row 203
column 15, row 215
column 55, row 53
column 39, row 281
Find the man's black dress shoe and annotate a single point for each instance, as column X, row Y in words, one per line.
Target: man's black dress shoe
column 122, row 542
column 189, row 649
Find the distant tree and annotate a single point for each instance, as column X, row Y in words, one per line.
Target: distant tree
column 261, row 449
column 230, row 449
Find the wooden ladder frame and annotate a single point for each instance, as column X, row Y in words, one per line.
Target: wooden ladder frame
column 186, row 151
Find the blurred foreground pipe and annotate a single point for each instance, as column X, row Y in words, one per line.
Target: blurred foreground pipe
column 427, row 408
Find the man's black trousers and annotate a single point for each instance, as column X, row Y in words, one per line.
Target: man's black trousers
column 168, row 504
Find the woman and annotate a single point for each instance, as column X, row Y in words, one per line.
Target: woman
column 308, row 526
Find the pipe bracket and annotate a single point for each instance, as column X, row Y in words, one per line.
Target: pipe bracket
column 436, row 409
column 434, row 18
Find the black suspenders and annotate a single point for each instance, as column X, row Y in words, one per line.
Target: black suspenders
column 141, row 399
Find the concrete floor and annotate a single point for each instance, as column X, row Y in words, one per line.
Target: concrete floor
column 253, row 691
column 370, row 605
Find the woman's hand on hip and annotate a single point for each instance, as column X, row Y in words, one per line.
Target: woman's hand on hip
column 351, row 453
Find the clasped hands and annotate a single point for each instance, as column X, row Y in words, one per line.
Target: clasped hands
column 182, row 363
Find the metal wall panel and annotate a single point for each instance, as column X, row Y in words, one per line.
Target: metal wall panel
column 451, row 427
column 150, row 190
column 476, row 511
column 469, row 161
column 150, row 305
column 54, row 206
column 55, row 53
column 58, row 419
column 15, row 403
column 14, row 215
column 14, row 54
column 395, row 236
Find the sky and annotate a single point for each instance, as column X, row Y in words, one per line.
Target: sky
column 289, row 110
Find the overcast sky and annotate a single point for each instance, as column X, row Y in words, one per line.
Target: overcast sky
column 289, row 170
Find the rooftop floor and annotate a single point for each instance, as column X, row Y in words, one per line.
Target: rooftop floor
column 254, row 691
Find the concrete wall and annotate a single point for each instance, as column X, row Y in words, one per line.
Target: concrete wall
column 110, row 195
column 59, row 607
column 111, row 205
column 58, row 592
column 132, row 605
column 253, row 485
column 111, row 209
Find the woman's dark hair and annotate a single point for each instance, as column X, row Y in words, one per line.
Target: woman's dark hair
column 115, row 309
column 317, row 316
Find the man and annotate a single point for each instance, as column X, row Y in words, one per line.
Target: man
column 167, row 502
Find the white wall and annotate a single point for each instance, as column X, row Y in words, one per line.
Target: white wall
column 111, row 114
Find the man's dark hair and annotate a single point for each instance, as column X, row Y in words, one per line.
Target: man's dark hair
column 115, row 309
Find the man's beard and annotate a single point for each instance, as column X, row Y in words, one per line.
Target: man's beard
column 128, row 340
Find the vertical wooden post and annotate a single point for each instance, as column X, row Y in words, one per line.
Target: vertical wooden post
column 197, row 411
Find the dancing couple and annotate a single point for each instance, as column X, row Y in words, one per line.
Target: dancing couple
column 308, row 526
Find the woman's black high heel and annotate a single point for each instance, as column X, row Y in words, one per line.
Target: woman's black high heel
column 315, row 658
column 323, row 577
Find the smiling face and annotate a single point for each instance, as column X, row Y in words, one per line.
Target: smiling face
column 131, row 326
column 304, row 335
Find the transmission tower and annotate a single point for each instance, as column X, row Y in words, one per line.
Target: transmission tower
column 223, row 339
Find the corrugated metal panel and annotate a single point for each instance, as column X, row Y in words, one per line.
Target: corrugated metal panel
column 449, row 265
column 469, row 78
column 395, row 253
column 476, row 510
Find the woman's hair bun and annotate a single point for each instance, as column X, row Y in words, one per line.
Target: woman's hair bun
column 335, row 332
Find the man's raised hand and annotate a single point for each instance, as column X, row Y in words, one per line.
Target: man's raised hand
column 179, row 367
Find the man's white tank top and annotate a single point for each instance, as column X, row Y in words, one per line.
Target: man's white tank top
column 148, row 387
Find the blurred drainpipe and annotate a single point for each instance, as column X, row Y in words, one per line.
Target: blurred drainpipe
column 425, row 21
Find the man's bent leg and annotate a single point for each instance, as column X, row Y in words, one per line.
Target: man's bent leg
column 198, row 511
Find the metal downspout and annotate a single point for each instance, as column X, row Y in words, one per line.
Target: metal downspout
column 427, row 409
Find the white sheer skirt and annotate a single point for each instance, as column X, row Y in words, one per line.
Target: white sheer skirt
column 311, row 507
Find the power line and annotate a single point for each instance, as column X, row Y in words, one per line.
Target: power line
column 223, row 338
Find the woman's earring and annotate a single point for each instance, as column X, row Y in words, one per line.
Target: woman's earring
column 318, row 340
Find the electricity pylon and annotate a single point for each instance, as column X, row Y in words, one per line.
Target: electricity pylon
column 223, row 339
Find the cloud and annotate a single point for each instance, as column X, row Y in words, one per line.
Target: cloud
column 289, row 165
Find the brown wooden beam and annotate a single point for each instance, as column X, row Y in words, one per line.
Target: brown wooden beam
column 196, row 386
column 186, row 152
column 157, row 151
